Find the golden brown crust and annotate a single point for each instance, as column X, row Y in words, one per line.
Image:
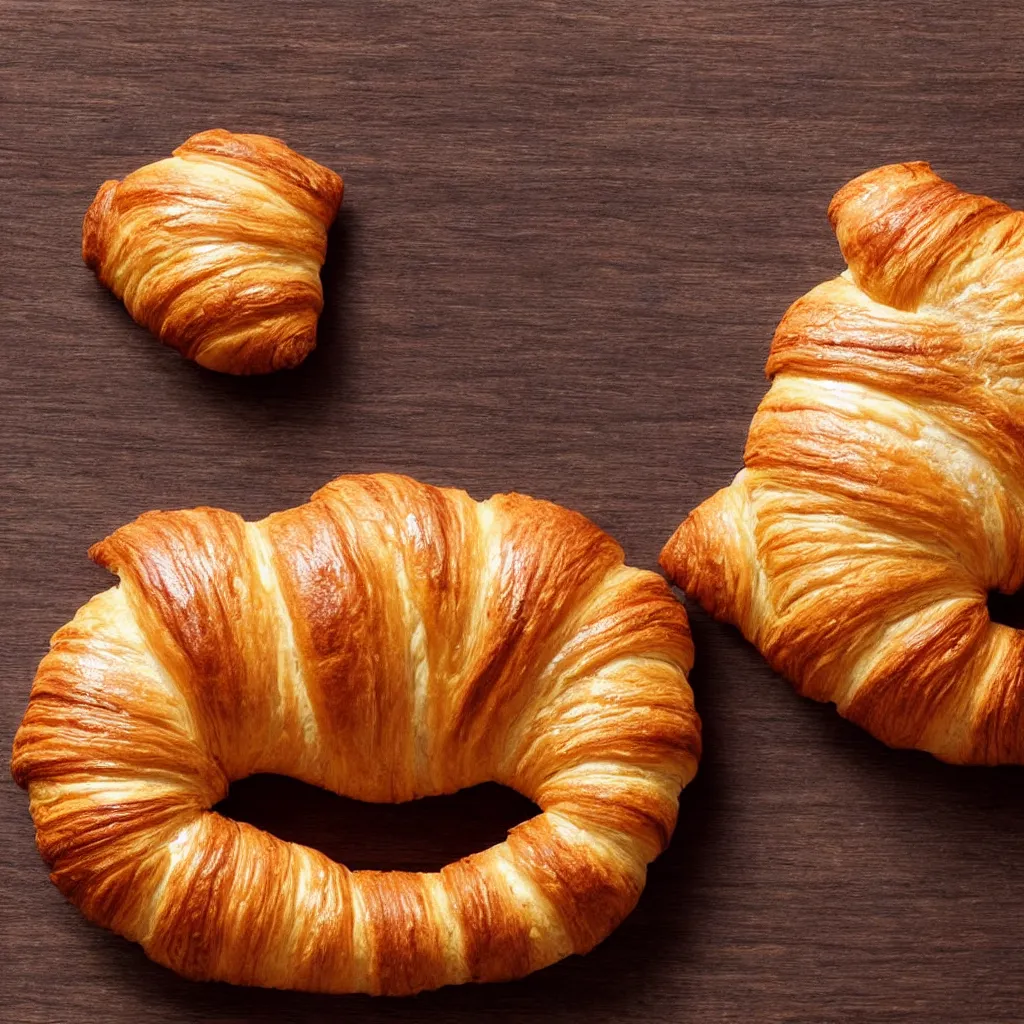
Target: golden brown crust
column 883, row 489
column 217, row 249
column 387, row 640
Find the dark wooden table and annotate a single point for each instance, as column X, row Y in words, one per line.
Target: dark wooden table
column 568, row 233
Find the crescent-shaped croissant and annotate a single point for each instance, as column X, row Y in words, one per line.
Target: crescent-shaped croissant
column 388, row 640
column 883, row 491
column 217, row 250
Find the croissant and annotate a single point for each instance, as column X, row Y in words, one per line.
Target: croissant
column 217, row 250
column 387, row 640
column 883, row 491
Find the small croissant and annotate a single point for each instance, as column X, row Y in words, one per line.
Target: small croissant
column 217, row 249
column 883, row 494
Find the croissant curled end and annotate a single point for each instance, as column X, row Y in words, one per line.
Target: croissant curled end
column 858, row 202
column 706, row 556
column 912, row 238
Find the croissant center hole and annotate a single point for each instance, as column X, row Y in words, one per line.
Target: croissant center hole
column 1007, row 609
column 421, row 835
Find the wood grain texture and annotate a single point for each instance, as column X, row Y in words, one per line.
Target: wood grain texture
column 567, row 238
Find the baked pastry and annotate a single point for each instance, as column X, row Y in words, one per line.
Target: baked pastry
column 218, row 249
column 883, row 490
column 387, row 641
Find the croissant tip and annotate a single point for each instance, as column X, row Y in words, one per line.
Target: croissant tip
column 670, row 557
column 92, row 224
column 339, row 188
column 17, row 773
column 100, row 554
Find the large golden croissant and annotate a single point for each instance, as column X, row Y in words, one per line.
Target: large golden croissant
column 218, row 249
column 883, row 494
column 387, row 640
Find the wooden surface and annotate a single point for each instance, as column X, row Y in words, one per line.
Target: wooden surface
column 568, row 233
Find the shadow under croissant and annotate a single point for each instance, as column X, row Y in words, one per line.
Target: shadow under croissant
column 1007, row 609
column 956, row 803
column 898, row 785
column 422, row 835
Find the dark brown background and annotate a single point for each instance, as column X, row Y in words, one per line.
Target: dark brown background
column 566, row 239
